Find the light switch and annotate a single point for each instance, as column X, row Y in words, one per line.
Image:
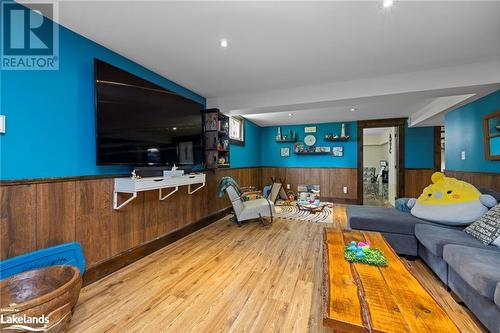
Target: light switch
column 2, row 124
column 463, row 156
column 345, row 189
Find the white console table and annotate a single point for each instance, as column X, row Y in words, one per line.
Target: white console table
column 133, row 186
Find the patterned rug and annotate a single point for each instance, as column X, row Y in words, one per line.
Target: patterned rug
column 294, row 213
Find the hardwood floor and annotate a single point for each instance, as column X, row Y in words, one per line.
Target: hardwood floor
column 225, row 278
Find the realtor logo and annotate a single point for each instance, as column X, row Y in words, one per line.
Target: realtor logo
column 30, row 38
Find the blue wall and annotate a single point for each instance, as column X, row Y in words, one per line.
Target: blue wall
column 419, row 147
column 464, row 132
column 50, row 114
column 271, row 149
column 248, row 155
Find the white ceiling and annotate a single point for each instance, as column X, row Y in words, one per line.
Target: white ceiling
column 305, row 55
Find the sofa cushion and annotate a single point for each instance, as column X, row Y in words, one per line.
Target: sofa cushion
column 497, row 295
column 487, row 228
column 492, row 192
column 434, row 238
column 382, row 219
column 480, row 268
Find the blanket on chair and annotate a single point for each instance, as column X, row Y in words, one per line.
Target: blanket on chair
column 225, row 182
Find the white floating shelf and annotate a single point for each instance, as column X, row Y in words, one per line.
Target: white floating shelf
column 133, row 186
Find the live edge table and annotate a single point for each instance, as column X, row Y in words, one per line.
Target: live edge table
column 363, row 298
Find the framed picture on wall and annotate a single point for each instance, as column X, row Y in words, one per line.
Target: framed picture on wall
column 285, row 151
column 338, row 151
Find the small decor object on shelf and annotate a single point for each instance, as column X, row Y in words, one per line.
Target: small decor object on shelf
column 338, row 151
column 310, row 140
column 291, row 136
column 361, row 252
column 322, row 149
column 285, row 151
column 310, row 129
column 342, row 132
column 279, row 136
column 334, row 137
column 134, row 175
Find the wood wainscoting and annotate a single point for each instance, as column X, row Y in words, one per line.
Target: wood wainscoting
column 416, row 180
column 478, row 179
column 330, row 180
column 38, row 213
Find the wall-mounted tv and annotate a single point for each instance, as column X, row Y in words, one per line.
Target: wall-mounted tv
column 141, row 123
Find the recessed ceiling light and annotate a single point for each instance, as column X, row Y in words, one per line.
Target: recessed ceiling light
column 353, row 109
column 174, row 128
column 388, row 3
column 290, row 114
column 224, row 42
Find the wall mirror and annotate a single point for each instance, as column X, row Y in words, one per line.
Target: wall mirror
column 491, row 133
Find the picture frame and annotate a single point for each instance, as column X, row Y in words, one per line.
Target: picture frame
column 285, row 151
column 338, row 151
column 310, row 129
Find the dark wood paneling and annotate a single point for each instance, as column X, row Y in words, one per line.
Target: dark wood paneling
column 416, row 180
column 478, row 179
column 437, row 148
column 17, row 220
column 93, row 218
column 331, row 180
column 55, row 213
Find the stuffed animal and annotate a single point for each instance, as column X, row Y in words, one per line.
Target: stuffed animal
column 450, row 201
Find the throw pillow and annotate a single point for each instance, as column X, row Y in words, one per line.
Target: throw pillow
column 496, row 242
column 401, row 205
column 487, row 228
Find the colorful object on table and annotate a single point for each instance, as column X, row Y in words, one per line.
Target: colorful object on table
column 450, row 201
column 352, row 247
column 362, row 253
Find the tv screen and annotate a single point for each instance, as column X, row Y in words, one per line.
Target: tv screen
column 141, row 123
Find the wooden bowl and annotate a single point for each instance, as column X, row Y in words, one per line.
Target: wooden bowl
column 50, row 291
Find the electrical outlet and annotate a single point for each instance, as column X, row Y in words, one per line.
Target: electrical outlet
column 463, row 156
column 345, row 189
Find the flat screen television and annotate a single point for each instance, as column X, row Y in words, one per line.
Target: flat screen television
column 140, row 123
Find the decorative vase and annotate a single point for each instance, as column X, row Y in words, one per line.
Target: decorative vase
column 342, row 133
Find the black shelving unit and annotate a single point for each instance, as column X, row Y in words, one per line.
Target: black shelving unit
column 216, row 135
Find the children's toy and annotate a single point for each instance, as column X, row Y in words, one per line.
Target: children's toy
column 450, row 201
column 362, row 253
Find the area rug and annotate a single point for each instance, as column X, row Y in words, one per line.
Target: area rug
column 294, row 213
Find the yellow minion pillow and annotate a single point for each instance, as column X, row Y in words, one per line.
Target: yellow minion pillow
column 450, row 201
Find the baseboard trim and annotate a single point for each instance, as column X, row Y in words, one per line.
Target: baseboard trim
column 346, row 201
column 106, row 267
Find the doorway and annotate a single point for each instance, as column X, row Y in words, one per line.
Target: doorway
column 379, row 166
column 380, row 161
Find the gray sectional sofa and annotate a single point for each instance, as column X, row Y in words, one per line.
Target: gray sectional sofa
column 464, row 264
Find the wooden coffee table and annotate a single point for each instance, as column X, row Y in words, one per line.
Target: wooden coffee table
column 363, row 298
